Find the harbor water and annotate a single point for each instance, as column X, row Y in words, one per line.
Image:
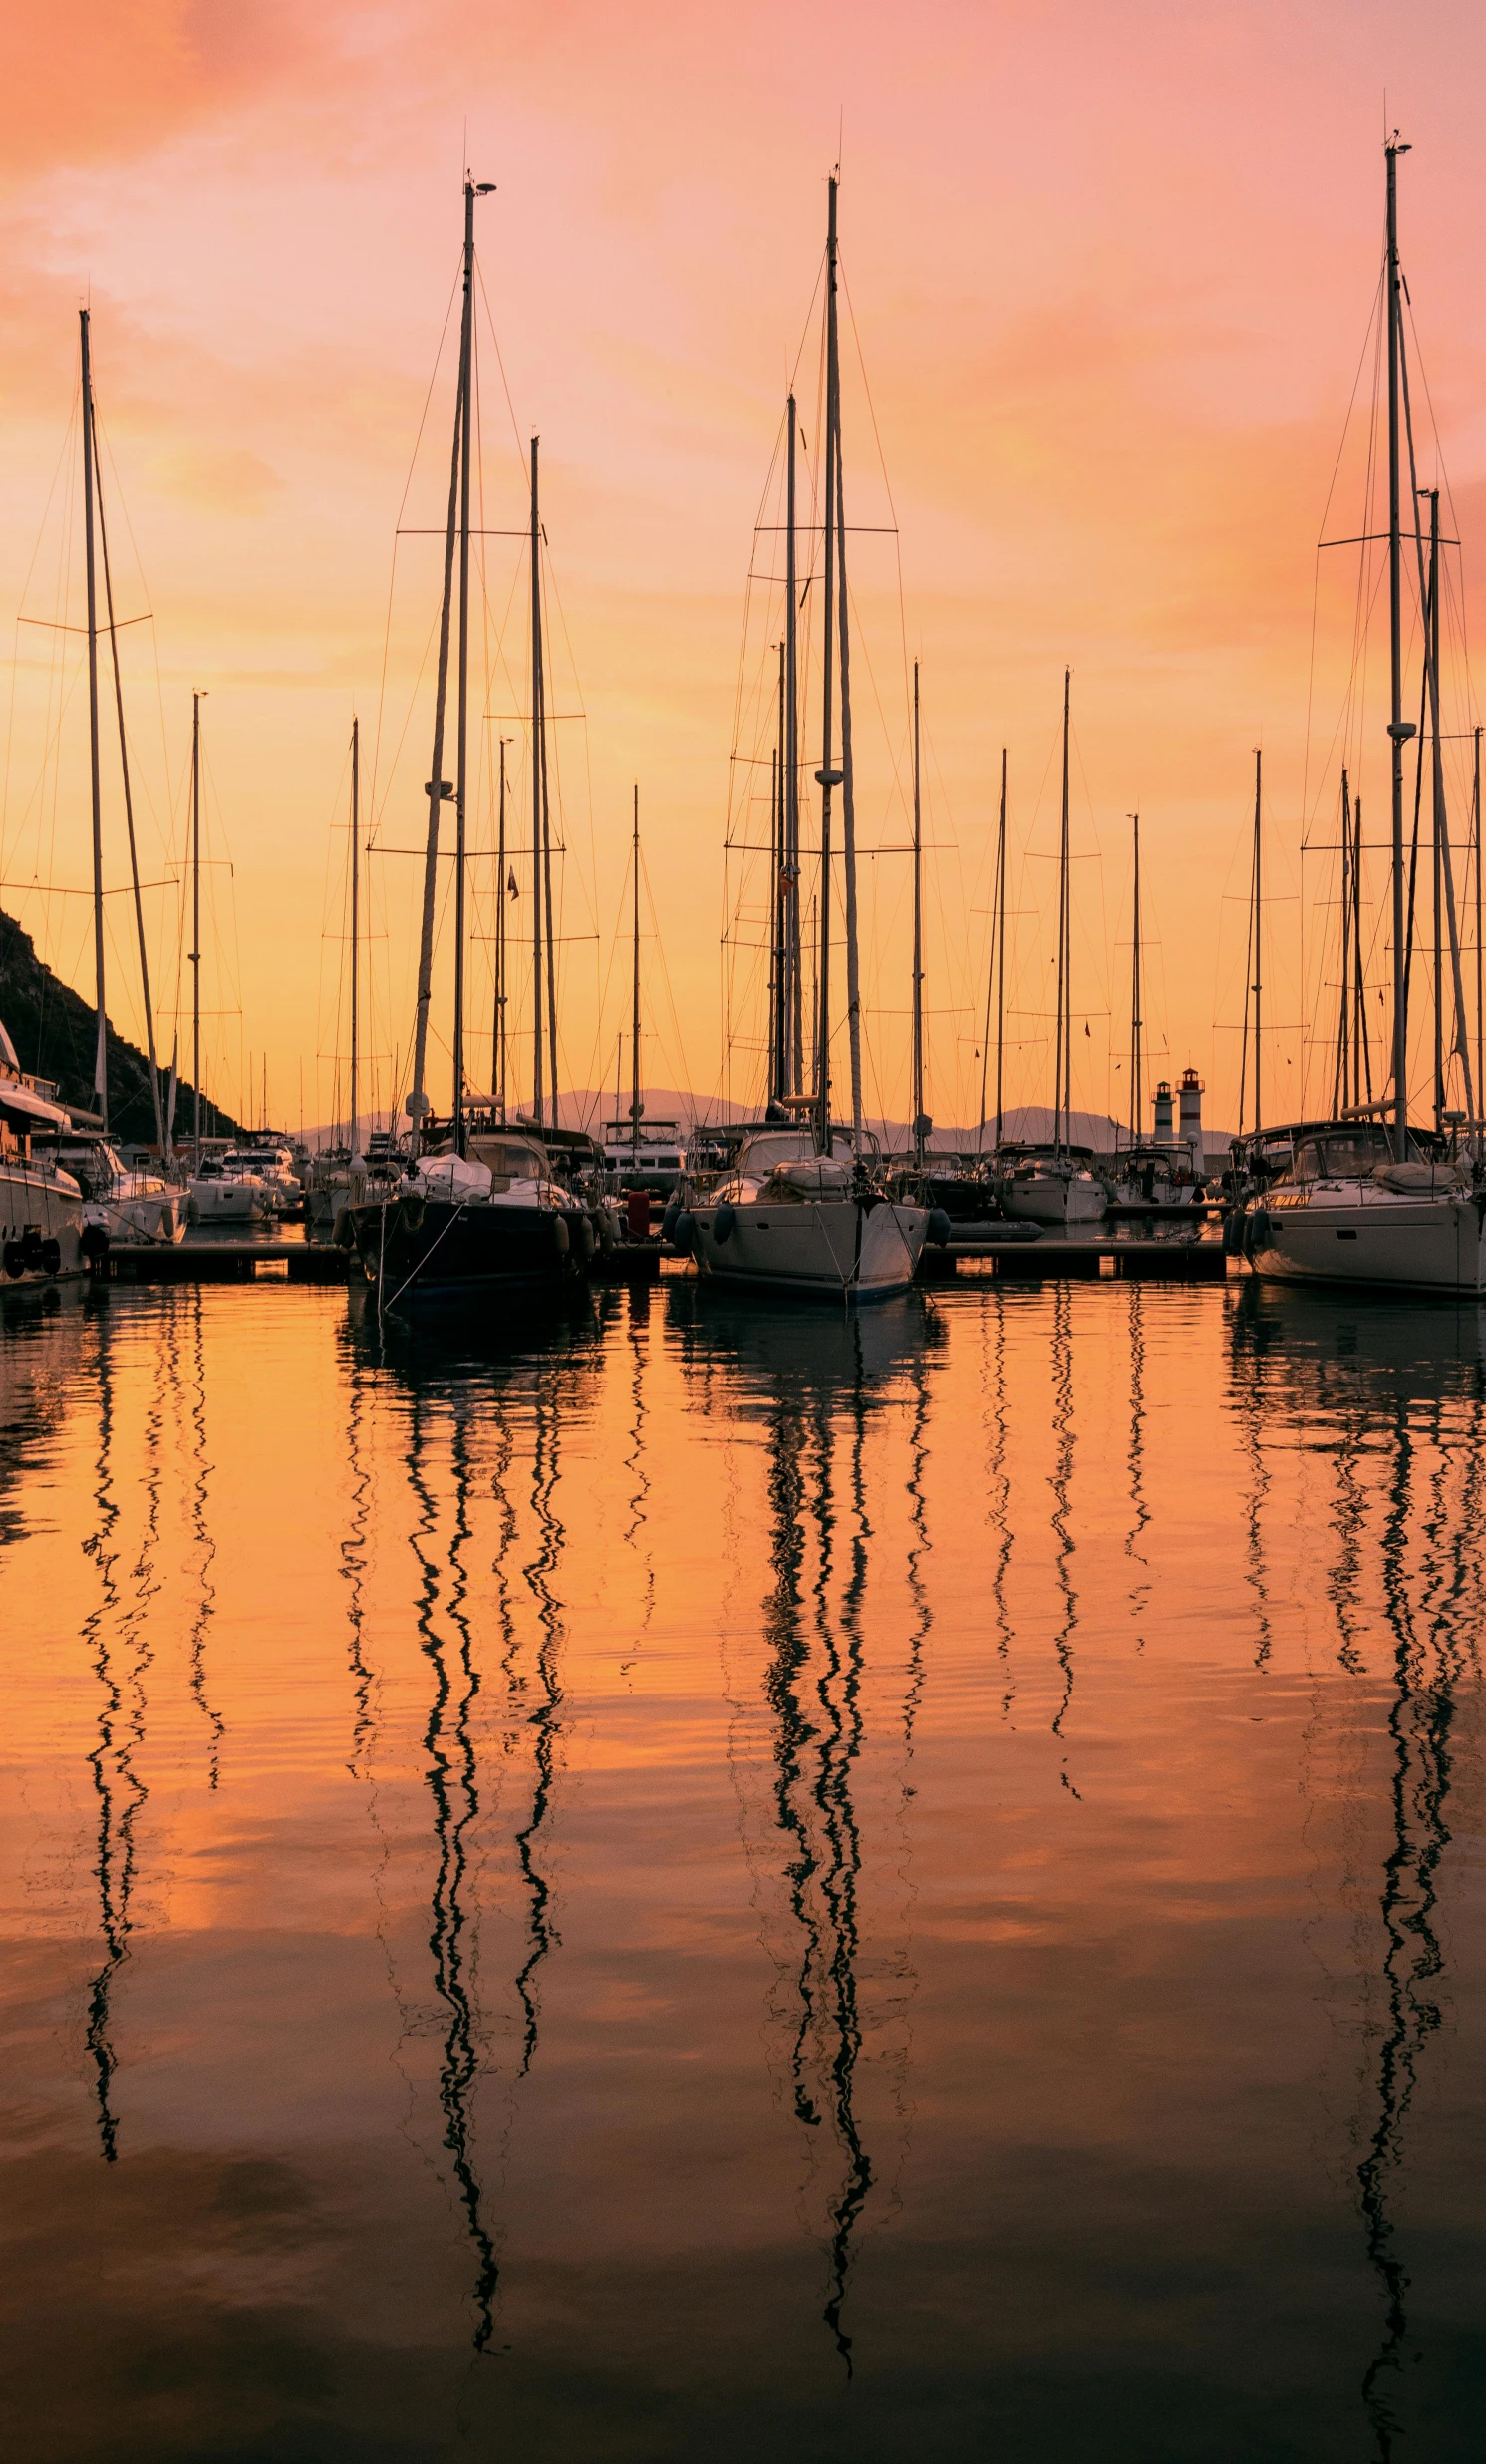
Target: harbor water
column 726, row 1879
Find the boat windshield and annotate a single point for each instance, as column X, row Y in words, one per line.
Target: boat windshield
column 1342, row 1154
column 759, row 1156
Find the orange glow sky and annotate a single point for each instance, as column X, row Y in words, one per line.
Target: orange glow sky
column 1111, row 268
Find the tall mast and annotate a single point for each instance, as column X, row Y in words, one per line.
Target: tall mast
column 917, row 939
column 1480, row 1015
column 825, row 777
column 1347, row 1060
column 1436, row 797
column 1063, row 1070
column 792, row 1005
column 1000, row 940
column 635, row 995
column 779, row 986
column 101, row 1054
column 355, row 934
column 129, row 799
column 1361, row 1044
column 848, row 792
column 196, row 950
column 438, row 789
column 1446, row 915
column 538, row 738
column 1137, row 1092
column 1400, row 727
column 1257, row 928
column 462, row 772
column 497, row 1073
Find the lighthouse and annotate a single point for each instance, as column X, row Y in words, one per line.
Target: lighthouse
column 1190, row 1126
column 1164, row 1112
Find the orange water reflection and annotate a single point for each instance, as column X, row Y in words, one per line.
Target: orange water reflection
column 742, row 1878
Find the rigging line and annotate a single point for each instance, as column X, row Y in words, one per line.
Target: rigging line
column 423, row 422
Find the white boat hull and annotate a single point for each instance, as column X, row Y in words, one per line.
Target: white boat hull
column 157, row 1215
column 1375, row 1238
column 836, row 1246
column 41, row 1228
column 1049, row 1198
column 228, row 1201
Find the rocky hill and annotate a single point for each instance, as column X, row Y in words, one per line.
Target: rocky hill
column 55, row 1032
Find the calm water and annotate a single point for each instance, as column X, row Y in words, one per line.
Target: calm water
column 739, row 1884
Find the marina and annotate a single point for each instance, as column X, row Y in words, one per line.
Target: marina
column 783, row 809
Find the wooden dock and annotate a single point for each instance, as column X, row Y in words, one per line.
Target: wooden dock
column 219, row 1261
column 1095, row 1254
column 1092, row 1255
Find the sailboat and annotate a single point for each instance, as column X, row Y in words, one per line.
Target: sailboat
column 480, row 1208
column 801, row 1208
column 1363, row 1197
column 76, row 1148
column 1053, row 1182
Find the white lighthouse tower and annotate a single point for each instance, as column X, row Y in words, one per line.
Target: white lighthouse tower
column 1189, row 1130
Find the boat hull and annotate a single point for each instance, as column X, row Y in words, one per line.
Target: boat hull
column 41, row 1230
column 1374, row 1240
column 158, row 1216
column 425, row 1250
column 840, row 1248
column 1049, row 1198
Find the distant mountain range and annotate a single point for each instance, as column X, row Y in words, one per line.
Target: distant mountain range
column 669, row 1104
column 55, row 1032
column 1030, row 1122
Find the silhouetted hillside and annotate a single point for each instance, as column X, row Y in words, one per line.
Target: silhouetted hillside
column 55, row 1032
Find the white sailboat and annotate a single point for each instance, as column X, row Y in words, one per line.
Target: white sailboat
column 1362, row 1199
column 801, row 1209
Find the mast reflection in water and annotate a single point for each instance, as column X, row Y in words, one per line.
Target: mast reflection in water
column 732, row 1879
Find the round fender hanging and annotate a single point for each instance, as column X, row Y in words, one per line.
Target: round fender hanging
column 724, row 1223
column 94, row 1243
column 15, row 1258
column 684, row 1232
column 344, row 1235
column 560, row 1241
column 940, row 1226
column 668, row 1221
column 51, row 1256
column 587, row 1243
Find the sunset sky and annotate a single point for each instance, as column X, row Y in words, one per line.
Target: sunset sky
column 1111, row 269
